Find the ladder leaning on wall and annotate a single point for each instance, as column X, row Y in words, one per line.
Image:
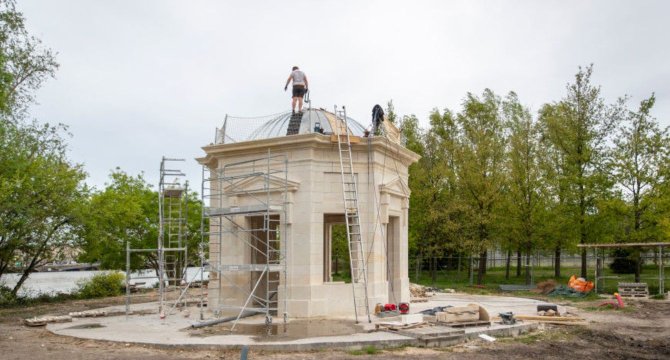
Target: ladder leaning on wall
column 358, row 266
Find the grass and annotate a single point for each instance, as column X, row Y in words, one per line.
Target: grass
column 608, row 308
column 7, row 300
column 494, row 277
column 367, row 350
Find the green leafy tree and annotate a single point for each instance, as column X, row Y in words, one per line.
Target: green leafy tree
column 480, row 158
column 40, row 190
column 390, row 112
column 24, row 63
column 578, row 128
column 640, row 148
column 525, row 182
column 40, row 195
column 126, row 212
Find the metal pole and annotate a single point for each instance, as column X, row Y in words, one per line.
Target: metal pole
column 201, row 246
column 268, row 245
column 595, row 252
column 127, row 278
column 160, row 239
column 472, row 270
column 661, row 272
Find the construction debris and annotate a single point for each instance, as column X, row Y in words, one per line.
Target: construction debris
column 562, row 290
column 545, row 287
column 487, row 337
column 435, row 310
column 417, row 293
column 580, row 284
column 616, row 305
column 88, row 313
column 634, row 290
column 41, row 321
column 507, row 318
column 470, row 315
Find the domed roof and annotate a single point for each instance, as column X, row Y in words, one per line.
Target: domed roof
column 243, row 129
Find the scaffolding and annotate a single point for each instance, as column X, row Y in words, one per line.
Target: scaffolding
column 170, row 257
column 244, row 204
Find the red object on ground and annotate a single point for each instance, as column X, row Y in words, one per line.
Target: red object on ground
column 403, row 307
column 619, row 300
column 389, row 307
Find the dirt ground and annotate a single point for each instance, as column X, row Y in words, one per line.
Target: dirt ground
column 642, row 331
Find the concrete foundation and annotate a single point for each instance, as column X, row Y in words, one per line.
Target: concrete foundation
column 170, row 332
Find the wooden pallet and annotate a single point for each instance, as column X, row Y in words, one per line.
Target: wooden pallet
column 634, row 290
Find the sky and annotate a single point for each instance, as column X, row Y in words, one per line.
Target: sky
column 139, row 80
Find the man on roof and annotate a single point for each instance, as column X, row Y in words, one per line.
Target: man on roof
column 300, row 85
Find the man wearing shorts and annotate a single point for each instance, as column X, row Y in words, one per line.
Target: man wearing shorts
column 300, row 85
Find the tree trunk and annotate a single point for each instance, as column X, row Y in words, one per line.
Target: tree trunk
column 557, row 262
column 638, row 265
column 507, row 264
column 482, row 268
column 518, row 262
column 529, row 280
column 37, row 257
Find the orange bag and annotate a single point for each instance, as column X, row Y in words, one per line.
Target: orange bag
column 579, row 284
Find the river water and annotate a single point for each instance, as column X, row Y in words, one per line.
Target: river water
column 67, row 281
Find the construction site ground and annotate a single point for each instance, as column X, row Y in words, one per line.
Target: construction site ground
column 641, row 331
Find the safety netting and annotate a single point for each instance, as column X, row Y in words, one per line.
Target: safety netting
column 238, row 129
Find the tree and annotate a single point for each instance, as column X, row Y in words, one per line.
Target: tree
column 126, row 212
column 24, row 63
column 480, row 157
column 391, row 116
column 526, row 184
column 40, row 195
column 635, row 161
column 40, row 190
column 578, row 128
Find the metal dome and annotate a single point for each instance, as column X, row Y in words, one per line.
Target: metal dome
column 238, row 129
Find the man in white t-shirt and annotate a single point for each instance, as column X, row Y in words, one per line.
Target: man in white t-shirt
column 300, row 85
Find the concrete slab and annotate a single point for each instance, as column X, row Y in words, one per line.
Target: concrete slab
column 173, row 331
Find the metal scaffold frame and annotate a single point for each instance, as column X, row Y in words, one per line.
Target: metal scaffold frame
column 245, row 203
column 171, row 253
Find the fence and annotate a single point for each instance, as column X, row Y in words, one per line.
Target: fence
column 459, row 271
